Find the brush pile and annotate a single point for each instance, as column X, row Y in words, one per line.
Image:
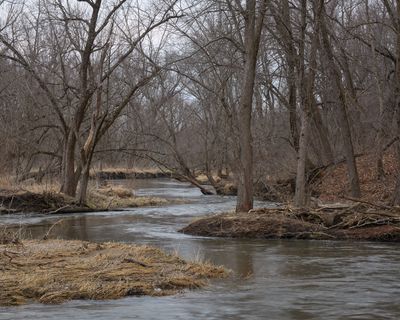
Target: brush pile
column 358, row 221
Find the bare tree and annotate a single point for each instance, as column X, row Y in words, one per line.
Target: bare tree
column 88, row 50
column 253, row 15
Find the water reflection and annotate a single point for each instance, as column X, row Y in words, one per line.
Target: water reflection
column 272, row 279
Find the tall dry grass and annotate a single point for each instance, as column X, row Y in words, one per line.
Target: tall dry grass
column 54, row 271
column 47, row 185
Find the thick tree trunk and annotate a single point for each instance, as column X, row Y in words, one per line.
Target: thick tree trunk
column 396, row 193
column 83, row 186
column 245, row 175
column 307, row 99
column 294, row 131
column 69, row 180
column 300, row 198
column 326, row 153
column 284, row 26
column 252, row 36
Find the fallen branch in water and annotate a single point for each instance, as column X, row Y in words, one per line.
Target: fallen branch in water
column 59, row 209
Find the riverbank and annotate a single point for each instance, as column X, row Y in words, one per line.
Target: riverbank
column 326, row 183
column 359, row 222
column 125, row 173
column 49, row 202
column 55, row 271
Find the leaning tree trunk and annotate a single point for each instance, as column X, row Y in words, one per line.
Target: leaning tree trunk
column 342, row 114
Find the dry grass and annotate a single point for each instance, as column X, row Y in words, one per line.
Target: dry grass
column 56, row 271
column 120, row 197
column 115, row 191
column 46, row 186
column 203, row 179
column 127, row 170
column 37, row 199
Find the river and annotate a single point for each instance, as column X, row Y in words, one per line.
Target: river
column 296, row 280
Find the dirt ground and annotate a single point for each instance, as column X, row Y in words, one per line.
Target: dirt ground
column 54, row 271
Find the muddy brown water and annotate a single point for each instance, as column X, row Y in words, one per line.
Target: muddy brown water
column 272, row 279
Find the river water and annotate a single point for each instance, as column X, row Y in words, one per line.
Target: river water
column 296, row 280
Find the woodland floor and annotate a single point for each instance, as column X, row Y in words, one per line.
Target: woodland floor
column 331, row 184
column 54, row 271
column 334, row 185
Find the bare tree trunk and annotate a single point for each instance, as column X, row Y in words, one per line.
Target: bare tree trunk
column 326, row 153
column 342, row 114
column 69, row 181
column 284, row 27
column 380, row 171
column 396, row 193
column 83, row 185
column 307, row 94
column 300, row 198
column 252, row 37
